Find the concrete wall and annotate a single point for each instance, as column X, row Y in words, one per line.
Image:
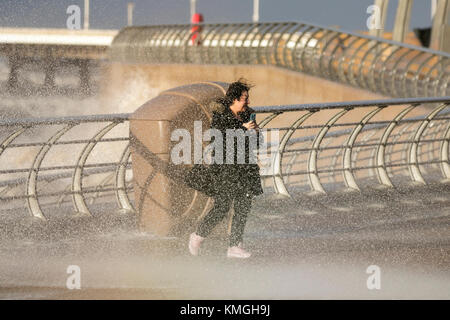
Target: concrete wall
column 127, row 86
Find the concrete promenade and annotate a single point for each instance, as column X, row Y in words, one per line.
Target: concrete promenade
column 308, row 248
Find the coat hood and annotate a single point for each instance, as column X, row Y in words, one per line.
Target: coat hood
column 216, row 106
column 219, row 107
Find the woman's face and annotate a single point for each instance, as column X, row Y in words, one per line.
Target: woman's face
column 244, row 101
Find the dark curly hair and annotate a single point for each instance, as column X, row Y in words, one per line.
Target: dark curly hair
column 234, row 91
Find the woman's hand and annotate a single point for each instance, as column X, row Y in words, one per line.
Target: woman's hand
column 251, row 125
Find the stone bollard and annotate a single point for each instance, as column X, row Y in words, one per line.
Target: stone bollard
column 164, row 205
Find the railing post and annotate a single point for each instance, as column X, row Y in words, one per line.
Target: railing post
column 279, row 185
column 381, row 171
column 445, row 149
column 77, row 179
column 440, row 34
column 313, row 176
column 33, row 203
column 402, row 19
column 347, row 158
column 121, row 194
column 416, row 176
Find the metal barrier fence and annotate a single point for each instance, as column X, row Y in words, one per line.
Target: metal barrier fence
column 45, row 161
column 394, row 147
column 319, row 148
column 382, row 66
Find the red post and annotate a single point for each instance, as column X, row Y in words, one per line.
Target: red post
column 196, row 29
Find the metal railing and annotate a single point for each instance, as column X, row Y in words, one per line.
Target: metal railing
column 319, row 148
column 395, row 147
column 382, row 66
column 49, row 161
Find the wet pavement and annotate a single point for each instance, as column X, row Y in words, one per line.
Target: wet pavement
column 308, row 248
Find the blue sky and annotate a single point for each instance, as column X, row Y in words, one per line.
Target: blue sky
column 111, row 14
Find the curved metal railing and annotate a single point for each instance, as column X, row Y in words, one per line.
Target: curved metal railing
column 382, row 66
column 316, row 147
column 39, row 163
column 321, row 147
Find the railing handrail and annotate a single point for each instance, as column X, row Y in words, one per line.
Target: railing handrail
column 263, row 109
column 66, row 119
column 350, row 104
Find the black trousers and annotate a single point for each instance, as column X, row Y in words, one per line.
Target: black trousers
column 222, row 204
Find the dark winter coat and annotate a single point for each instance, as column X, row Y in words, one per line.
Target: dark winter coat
column 231, row 179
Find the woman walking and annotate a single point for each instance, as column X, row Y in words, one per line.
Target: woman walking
column 233, row 183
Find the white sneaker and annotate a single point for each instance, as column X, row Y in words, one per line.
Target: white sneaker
column 194, row 243
column 237, row 252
